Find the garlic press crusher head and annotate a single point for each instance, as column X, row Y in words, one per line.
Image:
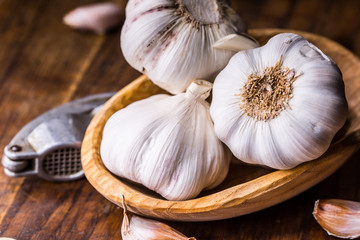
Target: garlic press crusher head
column 49, row 146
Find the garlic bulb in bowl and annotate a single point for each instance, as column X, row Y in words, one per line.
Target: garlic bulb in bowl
column 170, row 41
column 167, row 143
column 279, row 105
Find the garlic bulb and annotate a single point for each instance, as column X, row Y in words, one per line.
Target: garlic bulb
column 167, row 143
column 279, row 105
column 138, row 228
column 170, row 40
column 340, row 218
column 98, row 17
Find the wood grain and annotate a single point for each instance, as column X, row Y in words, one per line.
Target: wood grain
column 40, row 59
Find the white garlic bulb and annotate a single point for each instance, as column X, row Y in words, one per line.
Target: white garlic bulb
column 167, row 143
column 170, row 40
column 279, row 105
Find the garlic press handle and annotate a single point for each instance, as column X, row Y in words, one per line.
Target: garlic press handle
column 49, row 146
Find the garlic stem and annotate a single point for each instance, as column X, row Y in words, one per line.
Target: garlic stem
column 340, row 218
column 138, row 228
column 210, row 12
column 236, row 42
column 199, row 89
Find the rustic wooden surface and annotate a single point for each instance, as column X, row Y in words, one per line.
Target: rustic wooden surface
column 44, row 63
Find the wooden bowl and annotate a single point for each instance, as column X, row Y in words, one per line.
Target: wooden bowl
column 247, row 188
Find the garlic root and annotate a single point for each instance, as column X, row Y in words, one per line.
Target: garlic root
column 340, row 218
column 138, row 228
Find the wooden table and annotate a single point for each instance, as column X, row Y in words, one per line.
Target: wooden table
column 43, row 64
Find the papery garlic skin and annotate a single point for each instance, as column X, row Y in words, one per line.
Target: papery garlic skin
column 167, row 143
column 170, row 40
column 98, row 17
column 313, row 110
column 340, row 218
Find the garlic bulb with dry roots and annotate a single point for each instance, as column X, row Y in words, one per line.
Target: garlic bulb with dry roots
column 139, row 228
column 340, row 218
column 170, row 40
column 279, row 105
column 167, row 143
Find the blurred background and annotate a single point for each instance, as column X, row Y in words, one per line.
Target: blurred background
column 44, row 63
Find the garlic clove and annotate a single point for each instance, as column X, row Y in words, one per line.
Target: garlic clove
column 340, row 218
column 236, row 42
column 98, row 17
column 138, row 228
column 167, row 143
column 170, row 41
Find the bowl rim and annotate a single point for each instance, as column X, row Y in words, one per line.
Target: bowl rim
column 237, row 200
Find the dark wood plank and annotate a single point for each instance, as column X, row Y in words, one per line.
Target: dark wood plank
column 44, row 63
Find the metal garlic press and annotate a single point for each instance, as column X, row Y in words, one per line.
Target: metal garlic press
column 49, row 146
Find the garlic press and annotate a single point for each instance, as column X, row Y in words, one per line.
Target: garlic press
column 49, row 146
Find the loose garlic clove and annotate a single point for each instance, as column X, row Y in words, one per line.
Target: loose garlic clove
column 167, row 143
column 339, row 218
column 138, row 228
column 98, row 17
column 171, row 41
column 279, row 105
column 236, row 42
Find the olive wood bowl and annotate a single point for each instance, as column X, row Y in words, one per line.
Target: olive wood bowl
column 247, row 188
